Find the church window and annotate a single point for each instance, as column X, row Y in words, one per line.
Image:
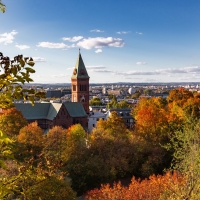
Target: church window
column 74, row 87
column 83, row 88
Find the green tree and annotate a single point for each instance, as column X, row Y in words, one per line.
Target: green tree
column 113, row 103
column 5, row 148
column 123, row 104
column 95, row 102
column 136, row 95
column 14, row 73
column 148, row 92
column 186, row 160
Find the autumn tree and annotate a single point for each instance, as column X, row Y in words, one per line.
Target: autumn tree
column 114, row 125
column 151, row 119
column 152, row 188
column 181, row 105
column 56, row 142
column 151, row 123
column 180, row 96
column 112, row 153
column 37, row 168
column 34, row 175
column 31, row 140
column 11, row 121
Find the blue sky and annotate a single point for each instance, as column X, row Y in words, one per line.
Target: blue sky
column 120, row 41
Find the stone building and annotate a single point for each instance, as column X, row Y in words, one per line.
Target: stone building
column 63, row 114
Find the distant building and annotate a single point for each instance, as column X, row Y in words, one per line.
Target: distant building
column 66, row 92
column 93, row 118
column 53, row 94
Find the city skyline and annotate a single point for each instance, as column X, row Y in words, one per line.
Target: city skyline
column 129, row 41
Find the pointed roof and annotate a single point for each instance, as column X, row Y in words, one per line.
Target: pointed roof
column 79, row 69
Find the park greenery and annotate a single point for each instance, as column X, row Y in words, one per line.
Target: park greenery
column 160, row 156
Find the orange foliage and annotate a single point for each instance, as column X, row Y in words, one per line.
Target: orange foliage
column 148, row 189
column 180, row 96
column 151, row 119
column 11, row 121
column 31, row 135
column 55, row 142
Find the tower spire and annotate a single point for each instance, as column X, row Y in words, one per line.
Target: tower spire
column 80, row 84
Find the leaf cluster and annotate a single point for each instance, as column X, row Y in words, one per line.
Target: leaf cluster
column 13, row 75
column 2, row 7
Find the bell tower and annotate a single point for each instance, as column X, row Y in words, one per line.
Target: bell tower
column 80, row 84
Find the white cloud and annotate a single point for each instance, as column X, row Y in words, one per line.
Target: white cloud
column 142, row 73
column 22, row 47
column 123, row 32
column 101, row 70
column 96, row 67
column 60, row 75
column 141, row 63
column 7, row 38
column 97, row 30
column 139, row 33
column 70, row 68
column 100, row 42
column 39, row 59
column 98, row 51
column 73, row 39
column 169, row 71
column 189, row 69
column 52, row 45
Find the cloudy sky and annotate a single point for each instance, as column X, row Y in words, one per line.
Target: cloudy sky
column 120, row 41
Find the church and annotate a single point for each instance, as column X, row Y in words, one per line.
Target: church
column 64, row 114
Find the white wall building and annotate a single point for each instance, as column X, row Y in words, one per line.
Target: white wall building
column 94, row 118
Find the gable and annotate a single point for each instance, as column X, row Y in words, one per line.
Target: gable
column 53, row 110
column 75, row 109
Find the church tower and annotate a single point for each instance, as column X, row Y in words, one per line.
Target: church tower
column 80, row 84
